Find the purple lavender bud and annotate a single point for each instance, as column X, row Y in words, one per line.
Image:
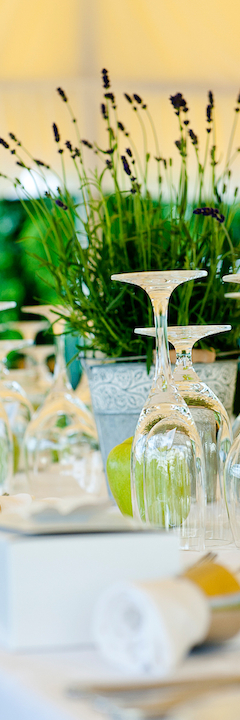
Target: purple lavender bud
column 4, row 143
column 40, row 163
column 128, row 98
column 104, row 111
column 137, row 98
column 210, row 97
column 56, row 133
column 88, row 144
column 209, row 113
column 178, row 101
column 61, row 204
column 193, row 137
column 62, row 94
column 125, row 165
column 110, row 96
column 106, row 81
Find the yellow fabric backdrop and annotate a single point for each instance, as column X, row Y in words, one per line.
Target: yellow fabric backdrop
column 153, row 47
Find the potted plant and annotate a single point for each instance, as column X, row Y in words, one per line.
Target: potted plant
column 117, row 225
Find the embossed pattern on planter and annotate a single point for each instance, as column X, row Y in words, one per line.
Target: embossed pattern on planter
column 121, row 387
column 221, row 377
column 119, row 391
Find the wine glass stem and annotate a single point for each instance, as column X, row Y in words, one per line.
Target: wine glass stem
column 3, row 368
column 163, row 374
column 183, row 356
column 60, row 365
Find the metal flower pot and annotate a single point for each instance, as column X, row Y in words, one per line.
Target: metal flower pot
column 119, row 389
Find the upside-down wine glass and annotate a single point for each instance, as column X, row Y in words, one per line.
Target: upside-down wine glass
column 43, row 379
column 212, row 423
column 167, row 463
column 232, row 468
column 29, row 329
column 6, row 439
column 62, row 431
column 34, row 377
column 14, row 398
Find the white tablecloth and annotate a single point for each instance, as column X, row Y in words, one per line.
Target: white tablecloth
column 34, row 686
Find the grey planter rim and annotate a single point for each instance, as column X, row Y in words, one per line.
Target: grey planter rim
column 98, row 362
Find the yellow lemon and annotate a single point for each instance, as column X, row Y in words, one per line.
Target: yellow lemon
column 214, row 579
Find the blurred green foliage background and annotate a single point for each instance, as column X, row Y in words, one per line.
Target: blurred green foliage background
column 19, row 270
column 22, row 280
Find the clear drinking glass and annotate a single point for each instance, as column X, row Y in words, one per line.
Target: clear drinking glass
column 212, row 423
column 62, row 432
column 167, row 463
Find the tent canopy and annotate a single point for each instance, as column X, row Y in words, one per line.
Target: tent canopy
column 151, row 47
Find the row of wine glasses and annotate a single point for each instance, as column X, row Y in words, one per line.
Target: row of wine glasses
column 182, row 439
column 183, row 434
column 52, row 443
column 35, row 377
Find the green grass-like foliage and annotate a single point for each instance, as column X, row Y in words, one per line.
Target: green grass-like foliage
column 118, row 225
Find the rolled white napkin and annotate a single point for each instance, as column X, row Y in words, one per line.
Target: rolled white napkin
column 149, row 627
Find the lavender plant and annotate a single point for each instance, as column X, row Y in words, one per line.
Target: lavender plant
column 118, row 225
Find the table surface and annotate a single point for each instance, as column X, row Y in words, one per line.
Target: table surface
column 33, row 686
